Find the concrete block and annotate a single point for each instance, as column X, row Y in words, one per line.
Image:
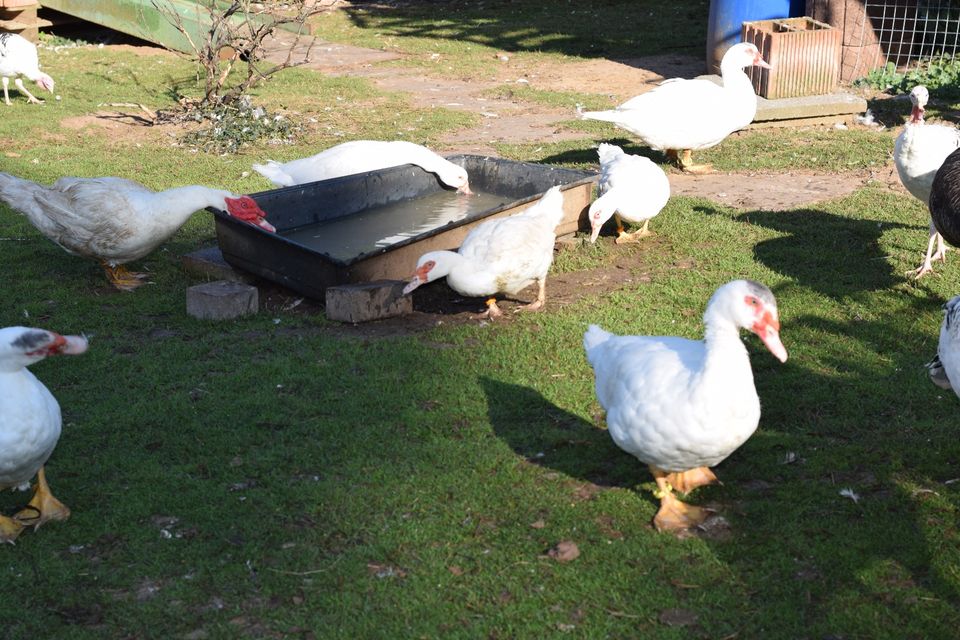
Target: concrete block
column 367, row 301
column 830, row 104
column 221, row 300
column 809, row 107
column 209, row 263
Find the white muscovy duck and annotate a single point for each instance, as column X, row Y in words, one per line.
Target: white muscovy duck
column 29, row 423
column 360, row 156
column 682, row 406
column 503, row 255
column 18, row 57
column 631, row 187
column 679, row 116
column 945, row 366
column 115, row 220
column 918, row 153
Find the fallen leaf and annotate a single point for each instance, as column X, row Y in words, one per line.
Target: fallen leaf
column 565, row 551
column 385, row 570
column 539, row 524
column 677, row 617
column 455, row 570
column 683, row 585
column 12, row 154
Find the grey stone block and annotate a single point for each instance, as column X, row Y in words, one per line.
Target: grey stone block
column 221, row 300
column 209, row 263
column 367, row 301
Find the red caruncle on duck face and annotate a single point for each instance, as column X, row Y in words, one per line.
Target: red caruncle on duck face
column 246, row 208
column 767, row 326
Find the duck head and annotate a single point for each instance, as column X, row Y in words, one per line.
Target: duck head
column 246, row 208
column 750, row 305
column 455, row 176
column 743, row 55
column 431, row 266
column 22, row 346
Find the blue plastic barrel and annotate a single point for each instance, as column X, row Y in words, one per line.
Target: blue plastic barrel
column 727, row 17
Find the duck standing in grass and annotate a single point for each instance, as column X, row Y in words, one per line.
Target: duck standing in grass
column 682, row 406
column 680, row 116
column 503, row 255
column 114, row 220
column 631, row 187
column 29, row 423
column 360, row 156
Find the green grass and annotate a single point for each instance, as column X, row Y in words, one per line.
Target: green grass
column 465, row 40
column 279, row 475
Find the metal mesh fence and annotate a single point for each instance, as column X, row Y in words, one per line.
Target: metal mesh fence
column 909, row 30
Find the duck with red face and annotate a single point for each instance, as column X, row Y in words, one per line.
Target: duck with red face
column 114, row 220
column 29, row 423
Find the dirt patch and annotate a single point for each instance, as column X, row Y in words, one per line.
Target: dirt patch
column 776, row 191
column 439, row 305
column 124, row 125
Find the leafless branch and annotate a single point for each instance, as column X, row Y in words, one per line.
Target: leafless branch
column 236, row 36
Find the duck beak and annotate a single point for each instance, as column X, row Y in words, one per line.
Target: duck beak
column 768, row 330
column 758, row 61
column 263, row 224
column 595, row 232
column 413, row 284
column 465, row 189
column 69, row 345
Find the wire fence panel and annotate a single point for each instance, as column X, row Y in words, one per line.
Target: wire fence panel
column 907, row 31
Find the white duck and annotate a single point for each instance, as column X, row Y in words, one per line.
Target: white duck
column 360, row 156
column 918, row 153
column 682, row 406
column 114, row 220
column 682, row 115
column 945, row 366
column 503, row 255
column 631, row 187
column 18, row 57
column 29, row 423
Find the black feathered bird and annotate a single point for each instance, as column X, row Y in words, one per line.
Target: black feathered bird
column 945, row 199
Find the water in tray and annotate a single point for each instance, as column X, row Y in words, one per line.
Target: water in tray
column 365, row 231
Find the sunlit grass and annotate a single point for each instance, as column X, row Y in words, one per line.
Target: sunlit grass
column 282, row 476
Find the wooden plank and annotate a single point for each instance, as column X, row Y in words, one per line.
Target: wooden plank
column 139, row 18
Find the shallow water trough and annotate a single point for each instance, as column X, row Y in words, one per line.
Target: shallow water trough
column 374, row 226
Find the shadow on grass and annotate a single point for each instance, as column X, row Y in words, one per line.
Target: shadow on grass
column 589, row 155
column 527, row 25
column 789, row 523
column 829, row 253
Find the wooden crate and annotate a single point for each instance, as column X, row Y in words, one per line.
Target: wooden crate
column 804, row 54
column 19, row 16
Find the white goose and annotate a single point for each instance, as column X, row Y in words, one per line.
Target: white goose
column 681, row 406
column 114, row 220
column 503, row 255
column 18, row 57
column 918, row 153
column 360, row 156
column 631, row 187
column 682, row 115
column 29, row 423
